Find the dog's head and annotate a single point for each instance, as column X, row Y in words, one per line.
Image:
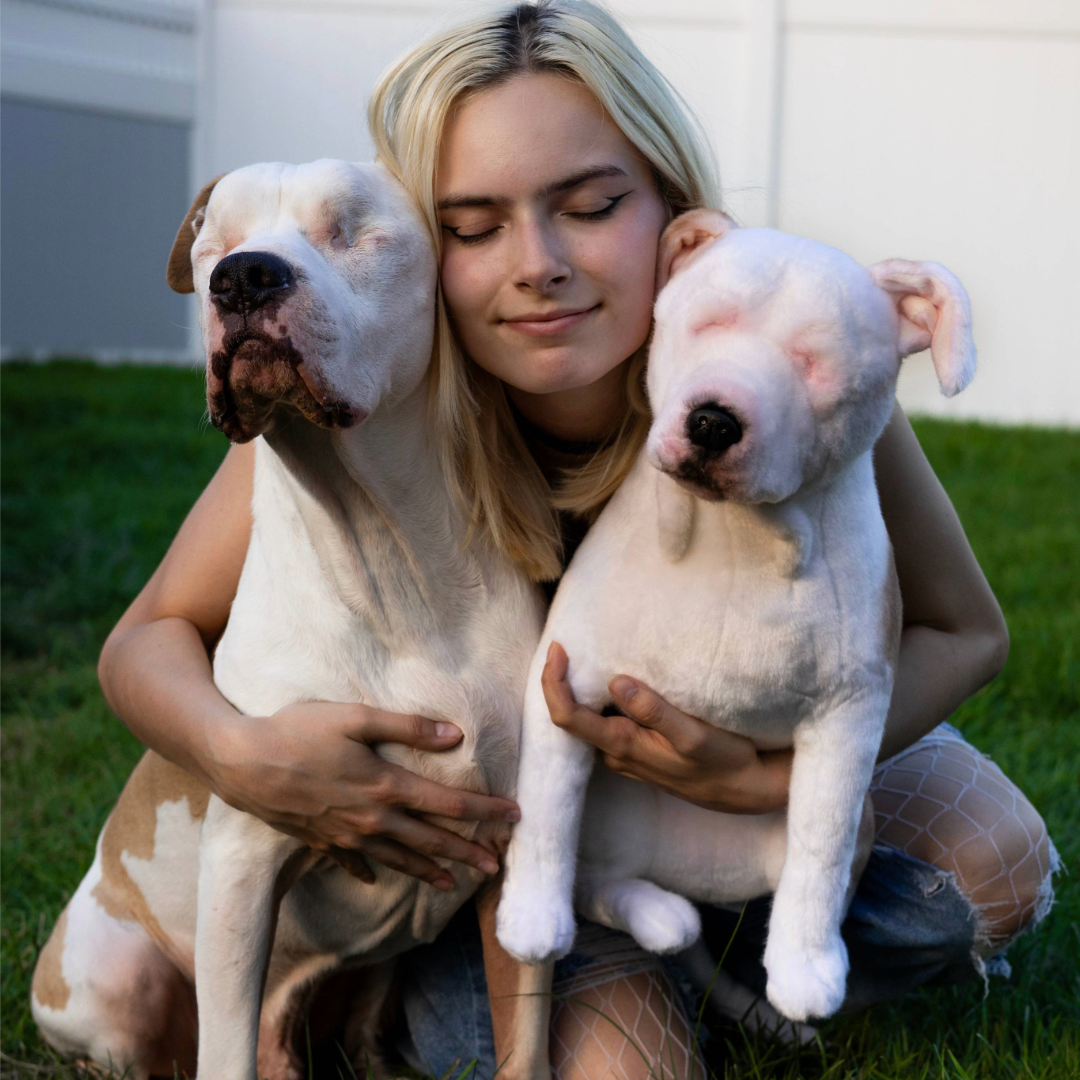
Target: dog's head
column 316, row 287
column 774, row 358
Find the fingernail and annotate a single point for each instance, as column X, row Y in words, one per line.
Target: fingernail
column 513, row 815
column 623, row 687
column 551, row 649
column 446, row 884
column 489, row 866
column 446, row 731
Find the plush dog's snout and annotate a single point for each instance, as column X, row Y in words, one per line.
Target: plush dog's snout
column 247, row 280
column 713, row 429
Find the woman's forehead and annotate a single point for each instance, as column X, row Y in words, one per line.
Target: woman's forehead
column 522, row 137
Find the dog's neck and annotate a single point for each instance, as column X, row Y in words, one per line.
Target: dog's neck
column 774, row 538
column 385, row 528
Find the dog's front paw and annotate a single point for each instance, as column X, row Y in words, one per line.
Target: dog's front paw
column 535, row 929
column 806, row 983
column 662, row 922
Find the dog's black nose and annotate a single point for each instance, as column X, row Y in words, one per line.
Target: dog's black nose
column 713, row 429
column 247, row 280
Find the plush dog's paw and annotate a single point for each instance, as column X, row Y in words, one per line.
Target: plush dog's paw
column 806, row 983
column 535, row 929
column 662, row 922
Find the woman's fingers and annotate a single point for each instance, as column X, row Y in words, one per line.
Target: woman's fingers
column 647, row 708
column 412, row 792
column 369, row 725
column 428, row 839
column 407, row 861
column 354, row 862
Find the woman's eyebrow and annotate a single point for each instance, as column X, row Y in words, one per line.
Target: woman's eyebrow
column 574, row 180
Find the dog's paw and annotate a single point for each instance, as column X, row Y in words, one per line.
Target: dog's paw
column 662, row 922
column 806, row 983
column 536, row 929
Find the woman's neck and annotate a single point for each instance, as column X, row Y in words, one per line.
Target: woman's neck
column 586, row 414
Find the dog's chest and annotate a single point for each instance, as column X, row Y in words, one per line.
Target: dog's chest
column 293, row 637
column 753, row 629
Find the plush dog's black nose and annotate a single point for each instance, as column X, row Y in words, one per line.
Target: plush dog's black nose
column 247, row 280
column 713, row 429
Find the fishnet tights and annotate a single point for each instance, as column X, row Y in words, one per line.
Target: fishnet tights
column 945, row 803
column 655, row 1041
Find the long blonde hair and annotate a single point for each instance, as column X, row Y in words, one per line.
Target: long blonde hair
column 487, row 462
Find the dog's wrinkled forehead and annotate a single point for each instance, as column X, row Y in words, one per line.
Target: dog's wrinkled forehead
column 769, row 281
column 327, row 202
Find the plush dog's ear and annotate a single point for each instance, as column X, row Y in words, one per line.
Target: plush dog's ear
column 934, row 312
column 685, row 239
column 178, row 271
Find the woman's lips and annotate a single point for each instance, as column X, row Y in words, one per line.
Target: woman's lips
column 549, row 325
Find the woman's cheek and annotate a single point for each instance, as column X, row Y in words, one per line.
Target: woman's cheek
column 467, row 288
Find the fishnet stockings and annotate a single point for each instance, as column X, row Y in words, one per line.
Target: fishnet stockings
column 945, row 803
column 655, row 1040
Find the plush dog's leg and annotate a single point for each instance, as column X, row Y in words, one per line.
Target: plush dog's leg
column 658, row 920
column 520, row 996
column 834, row 757
column 243, row 866
column 536, row 916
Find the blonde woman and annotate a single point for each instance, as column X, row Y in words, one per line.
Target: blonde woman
column 548, row 154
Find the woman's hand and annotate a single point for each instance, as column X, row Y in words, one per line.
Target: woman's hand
column 309, row 770
column 658, row 744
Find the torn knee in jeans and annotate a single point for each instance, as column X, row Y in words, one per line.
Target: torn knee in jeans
column 943, row 802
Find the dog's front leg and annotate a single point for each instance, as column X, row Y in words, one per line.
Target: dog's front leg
column 243, row 864
column 805, row 957
column 536, row 912
column 520, row 997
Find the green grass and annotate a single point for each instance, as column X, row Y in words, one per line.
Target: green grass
column 99, row 467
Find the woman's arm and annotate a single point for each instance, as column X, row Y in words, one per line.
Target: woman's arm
column 308, row 769
column 954, row 641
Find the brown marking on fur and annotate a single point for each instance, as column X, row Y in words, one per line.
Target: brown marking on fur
column 255, row 373
column 178, row 272
column 130, row 829
column 49, row 985
column 520, row 998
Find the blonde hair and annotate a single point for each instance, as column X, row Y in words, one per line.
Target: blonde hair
column 487, row 462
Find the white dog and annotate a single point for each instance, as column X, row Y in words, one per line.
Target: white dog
column 742, row 570
column 316, row 293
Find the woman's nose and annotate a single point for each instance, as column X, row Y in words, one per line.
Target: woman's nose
column 542, row 261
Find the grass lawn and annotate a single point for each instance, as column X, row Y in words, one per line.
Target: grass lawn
column 99, row 467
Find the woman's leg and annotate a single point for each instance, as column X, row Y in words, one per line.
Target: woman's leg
column 617, row 1014
column 943, row 802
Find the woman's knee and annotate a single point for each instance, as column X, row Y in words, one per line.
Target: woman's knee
column 945, row 803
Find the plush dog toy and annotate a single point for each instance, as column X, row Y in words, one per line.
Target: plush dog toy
column 743, row 570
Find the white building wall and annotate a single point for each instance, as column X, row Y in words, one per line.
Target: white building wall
column 941, row 129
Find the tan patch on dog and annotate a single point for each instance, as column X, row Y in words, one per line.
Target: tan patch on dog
column 131, row 828
column 49, row 985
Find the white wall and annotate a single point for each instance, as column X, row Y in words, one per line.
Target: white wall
column 941, row 129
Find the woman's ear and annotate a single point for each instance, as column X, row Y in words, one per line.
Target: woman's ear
column 685, row 239
column 178, row 271
column 935, row 313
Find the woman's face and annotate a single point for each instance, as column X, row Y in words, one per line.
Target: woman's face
column 550, row 225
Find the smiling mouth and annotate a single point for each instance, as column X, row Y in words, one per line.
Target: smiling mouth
column 549, row 324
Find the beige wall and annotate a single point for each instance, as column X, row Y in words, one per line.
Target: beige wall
column 943, row 129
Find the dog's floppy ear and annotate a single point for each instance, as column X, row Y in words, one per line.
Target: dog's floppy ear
column 934, row 312
column 685, row 239
column 178, row 271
